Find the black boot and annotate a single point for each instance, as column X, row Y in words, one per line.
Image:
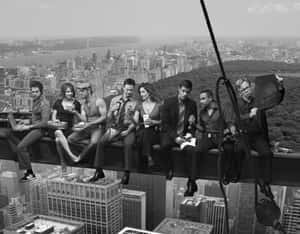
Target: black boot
column 99, row 174
column 125, row 178
column 191, row 188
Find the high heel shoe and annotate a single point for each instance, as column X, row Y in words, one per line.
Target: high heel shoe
column 99, row 174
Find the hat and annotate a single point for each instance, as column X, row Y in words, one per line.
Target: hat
column 83, row 85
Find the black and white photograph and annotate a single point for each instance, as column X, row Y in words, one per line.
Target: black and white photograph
column 140, row 117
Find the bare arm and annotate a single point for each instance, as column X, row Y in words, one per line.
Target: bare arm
column 100, row 103
column 54, row 114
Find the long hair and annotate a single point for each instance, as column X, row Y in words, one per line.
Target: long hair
column 152, row 92
column 64, row 87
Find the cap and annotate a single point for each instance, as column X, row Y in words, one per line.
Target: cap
column 83, row 85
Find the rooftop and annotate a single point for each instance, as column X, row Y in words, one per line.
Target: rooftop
column 41, row 223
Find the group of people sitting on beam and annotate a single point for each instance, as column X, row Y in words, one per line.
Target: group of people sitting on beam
column 141, row 123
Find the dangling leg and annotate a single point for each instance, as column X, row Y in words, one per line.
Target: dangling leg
column 64, row 144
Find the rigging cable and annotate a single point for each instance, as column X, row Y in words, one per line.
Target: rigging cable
column 267, row 211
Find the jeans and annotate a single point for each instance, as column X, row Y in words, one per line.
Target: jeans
column 21, row 146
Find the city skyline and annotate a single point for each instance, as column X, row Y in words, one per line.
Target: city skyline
column 143, row 18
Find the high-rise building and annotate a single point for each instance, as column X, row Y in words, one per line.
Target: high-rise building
column 9, row 184
column 46, row 224
column 38, row 200
column 203, row 209
column 14, row 211
column 155, row 188
column 134, row 208
column 174, row 226
column 291, row 213
column 3, row 204
column 194, row 209
column 218, row 218
column 98, row 205
column 2, row 80
column 212, row 189
column 246, row 221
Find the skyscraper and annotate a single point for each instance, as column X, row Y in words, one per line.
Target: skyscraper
column 14, row 211
column 291, row 213
column 134, row 209
column 2, row 76
column 218, row 218
column 37, row 193
column 9, row 184
column 155, row 188
column 204, row 209
column 3, row 204
column 98, row 205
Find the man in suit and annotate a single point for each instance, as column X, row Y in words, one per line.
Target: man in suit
column 176, row 112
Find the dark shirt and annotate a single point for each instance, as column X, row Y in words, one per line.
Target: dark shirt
column 122, row 118
column 65, row 115
column 210, row 123
column 40, row 112
column 170, row 114
column 255, row 125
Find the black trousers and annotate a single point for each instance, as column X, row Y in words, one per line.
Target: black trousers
column 146, row 138
column 21, row 146
column 166, row 144
column 192, row 154
column 263, row 166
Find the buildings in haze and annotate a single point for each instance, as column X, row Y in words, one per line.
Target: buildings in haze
column 9, row 184
column 134, row 208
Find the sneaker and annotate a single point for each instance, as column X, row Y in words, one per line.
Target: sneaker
column 27, row 177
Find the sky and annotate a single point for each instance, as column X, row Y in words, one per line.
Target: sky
column 148, row 18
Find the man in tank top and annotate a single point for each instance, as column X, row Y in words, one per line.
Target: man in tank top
column 95, row 110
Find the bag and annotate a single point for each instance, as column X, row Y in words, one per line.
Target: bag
column 269, row 92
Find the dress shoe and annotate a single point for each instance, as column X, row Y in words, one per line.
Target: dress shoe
column 169, row 176
column 125, row 178
column 225, row 180
column 99, row 174
column 191, row 188
column 265, row 188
